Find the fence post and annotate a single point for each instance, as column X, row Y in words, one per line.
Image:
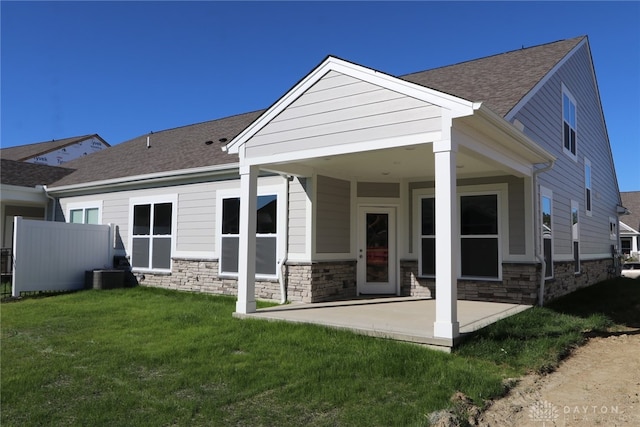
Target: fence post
column 17, row 223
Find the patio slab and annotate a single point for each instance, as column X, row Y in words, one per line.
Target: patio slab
column 399, row 318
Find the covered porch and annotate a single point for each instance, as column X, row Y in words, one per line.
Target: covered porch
column 407, row 319
column 371, row 149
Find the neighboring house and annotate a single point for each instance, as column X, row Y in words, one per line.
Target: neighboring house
column 630, row 225
column 25, row 168
column 55, row 152
column 490, row 180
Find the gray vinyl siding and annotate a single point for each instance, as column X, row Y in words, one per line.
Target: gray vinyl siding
column 542, row 118
column 340, row 109
column 333, row 215
column 516, row 207
column 298, row 198
column 196, row 211
column 379, row 189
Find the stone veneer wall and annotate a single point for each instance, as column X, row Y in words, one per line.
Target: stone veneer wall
column 519, row 283
column 202, row 276
column 566, row 281
column 314, row 282
column 321, row 281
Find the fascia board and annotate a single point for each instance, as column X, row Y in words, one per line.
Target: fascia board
column 458, row 106
column 526, row 143
column 16, row 193
column 510, row 115
column 158, row 177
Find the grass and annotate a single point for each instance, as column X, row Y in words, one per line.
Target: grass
column 147, row 356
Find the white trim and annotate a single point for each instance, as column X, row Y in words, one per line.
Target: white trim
column 196, row 255
column 565, row 92
column 588, row 199
column 547, row 193
column 501, row 190
column 278, row 190
column 157, row 199
column 459, row 106
column 91, row 204
column 156, row 177
column 510, row 115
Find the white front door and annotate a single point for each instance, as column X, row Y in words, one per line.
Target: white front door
column 376, row 250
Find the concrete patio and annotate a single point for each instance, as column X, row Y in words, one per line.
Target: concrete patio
column 399, row 318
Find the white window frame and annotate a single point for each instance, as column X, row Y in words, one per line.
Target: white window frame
column 613, row 228
column 575, row 235
column 566, row 95
column 499, row 190
column 84, row 206
column 267, row 190
column 588, row 187
column 547, row 193
column 153, row 200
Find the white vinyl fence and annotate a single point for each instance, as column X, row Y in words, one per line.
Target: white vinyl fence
column 53, row 256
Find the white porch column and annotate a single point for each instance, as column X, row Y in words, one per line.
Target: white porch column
column 447, row 240
column 247, row 246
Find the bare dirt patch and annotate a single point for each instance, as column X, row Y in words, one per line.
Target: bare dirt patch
column 597, row 385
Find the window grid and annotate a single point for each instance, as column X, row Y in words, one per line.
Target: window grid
column 569, row 123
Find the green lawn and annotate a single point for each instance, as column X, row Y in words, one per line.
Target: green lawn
column 146, row 356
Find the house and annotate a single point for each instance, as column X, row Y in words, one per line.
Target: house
column 489, row 180
column 630, row 225
column 25, row 168
column 55, row 152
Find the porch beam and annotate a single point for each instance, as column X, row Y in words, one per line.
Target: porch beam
column 447, row 240
column 246, row 302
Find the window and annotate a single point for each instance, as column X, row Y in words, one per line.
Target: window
column 613, row 228
column 266, row 235
column 84, row 213
column 152, row 235
column 587, row 186
column 569, row 124
column 575, row 235
column 84, row 216
column 625, row 245
column 546, row 228
column 479, row 242
column 428, row 237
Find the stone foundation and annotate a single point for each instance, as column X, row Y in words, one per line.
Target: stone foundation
column 565, row 280
column 202, row 276
column 321, row 281
column 335, row 280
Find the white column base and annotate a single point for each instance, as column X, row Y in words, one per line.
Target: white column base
column 449, row 330
column 245, row 307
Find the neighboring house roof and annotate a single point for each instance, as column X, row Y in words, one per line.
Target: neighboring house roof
column 499, row 81
column 631, row 201
column 23, row 174
column 169, row 150
column 28, row 151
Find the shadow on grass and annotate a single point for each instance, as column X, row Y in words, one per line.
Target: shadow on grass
column 617, row 299
column 539, row 338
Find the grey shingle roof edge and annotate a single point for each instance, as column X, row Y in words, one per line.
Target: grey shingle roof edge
column 500, row 81
column 631, row 201
column 13, row 172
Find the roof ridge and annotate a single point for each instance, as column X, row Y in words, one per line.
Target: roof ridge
column 492, row 56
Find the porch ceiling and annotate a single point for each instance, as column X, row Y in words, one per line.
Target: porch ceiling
column 415, row 161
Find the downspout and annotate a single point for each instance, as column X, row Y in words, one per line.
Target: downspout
column 53, row 209
column 283, row 261
column 536, row 231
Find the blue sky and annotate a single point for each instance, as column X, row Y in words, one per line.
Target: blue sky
column 122, row 69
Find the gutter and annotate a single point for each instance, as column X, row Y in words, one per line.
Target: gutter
column 157, row 177
column 536, row 231
column 53, row 200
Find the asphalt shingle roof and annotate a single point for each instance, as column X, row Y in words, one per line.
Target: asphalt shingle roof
column 24, row 152
column 500, row 81
column 13, row 172
column 631, row 201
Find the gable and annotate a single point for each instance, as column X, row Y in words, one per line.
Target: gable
column 341, row 109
